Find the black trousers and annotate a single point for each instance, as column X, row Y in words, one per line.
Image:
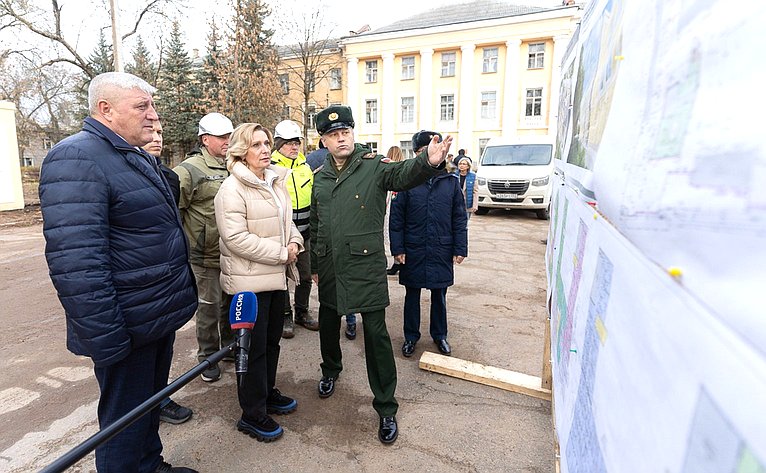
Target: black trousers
column 263, row 359
column 124, row 385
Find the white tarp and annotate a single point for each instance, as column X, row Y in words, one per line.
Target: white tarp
column 646, row 379
column 661, row 101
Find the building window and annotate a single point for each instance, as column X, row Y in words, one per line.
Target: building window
column 408, row 109
column 371, row 68
column 482, row 144
column 406, row 147
column 284, row 82
column 447, row 108
column 310, row 82
column 285, row 112
column 534, row 102
column 488, row 104
column 371, row 111
column 373, row 145
column 490, row 60
column 336, row 80
column 536, row 56
column 408, row 67
column 312, row 116
column 448, row 64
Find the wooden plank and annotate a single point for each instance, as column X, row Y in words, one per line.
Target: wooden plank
column 488, row 375
column 547, row 377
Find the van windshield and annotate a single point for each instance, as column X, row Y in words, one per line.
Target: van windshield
column 517, row 155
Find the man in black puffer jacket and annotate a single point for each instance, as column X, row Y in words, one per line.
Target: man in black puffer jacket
column 118, row 258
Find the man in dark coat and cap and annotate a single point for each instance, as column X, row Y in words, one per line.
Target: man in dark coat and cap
column 428, row 234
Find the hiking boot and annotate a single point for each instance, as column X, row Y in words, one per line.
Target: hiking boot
column 288, row 329
column 264, row 429
column 276, row 403
column 303, row 318
column 174, row 413
column 212, row 374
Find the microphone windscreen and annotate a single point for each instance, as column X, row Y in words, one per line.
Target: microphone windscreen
column 243, row 310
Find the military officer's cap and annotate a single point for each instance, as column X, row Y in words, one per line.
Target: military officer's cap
column 334, row 117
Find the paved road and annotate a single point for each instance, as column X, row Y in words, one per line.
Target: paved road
column 496, row 314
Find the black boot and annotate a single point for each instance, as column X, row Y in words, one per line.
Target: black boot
column 393, row 269
column 351, row 331
column 287, row 326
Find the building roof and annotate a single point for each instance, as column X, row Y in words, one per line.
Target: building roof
column 459, row 13
column 330, row 44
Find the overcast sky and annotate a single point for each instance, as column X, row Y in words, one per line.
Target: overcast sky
column 82, row 19
column 341, row 16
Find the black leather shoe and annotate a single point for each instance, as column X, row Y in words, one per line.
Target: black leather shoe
column 351, row 331
column 443, row 347
column 326, row 386
column 408, row 348
column 388, row 430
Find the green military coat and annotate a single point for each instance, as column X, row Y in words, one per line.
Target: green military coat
column 347, row 212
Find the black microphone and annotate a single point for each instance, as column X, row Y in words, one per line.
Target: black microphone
column 242, row 314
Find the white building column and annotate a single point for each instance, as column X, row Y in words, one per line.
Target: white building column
column 511, row 92
column 425, row 107
column 560, row 44
column 352, row 88
column 388, row 105
column 467, row 100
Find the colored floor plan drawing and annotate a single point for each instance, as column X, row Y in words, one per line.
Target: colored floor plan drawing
column 583, row 450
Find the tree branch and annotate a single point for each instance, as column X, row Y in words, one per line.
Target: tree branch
column 8, row 9
column 148, row 8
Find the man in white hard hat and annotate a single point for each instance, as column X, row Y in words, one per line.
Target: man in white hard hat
column 201, row 174
column 286, row 152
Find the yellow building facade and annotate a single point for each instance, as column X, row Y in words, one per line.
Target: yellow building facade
column 326, row 89
column 496, row 75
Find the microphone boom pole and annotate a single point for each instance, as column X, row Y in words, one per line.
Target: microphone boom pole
column 77, row 453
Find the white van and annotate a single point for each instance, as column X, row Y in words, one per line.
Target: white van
column 516, row 174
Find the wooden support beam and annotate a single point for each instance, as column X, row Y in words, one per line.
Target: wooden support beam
column 547, row 378
column 489, row 375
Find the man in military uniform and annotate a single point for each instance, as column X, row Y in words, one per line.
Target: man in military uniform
column 201, row 175
column 347, row 258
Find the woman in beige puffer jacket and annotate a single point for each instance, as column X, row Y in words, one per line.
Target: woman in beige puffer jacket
column 259, row 246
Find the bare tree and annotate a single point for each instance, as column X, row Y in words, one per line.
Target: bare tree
column 310, row 57
column 44, row 101
column 46, row 24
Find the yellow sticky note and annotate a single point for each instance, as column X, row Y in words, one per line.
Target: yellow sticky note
column 601, row 329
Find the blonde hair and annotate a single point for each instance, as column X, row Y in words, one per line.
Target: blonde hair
column 395, row 154
column 240, row 141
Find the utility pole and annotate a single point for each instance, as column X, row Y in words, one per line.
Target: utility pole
column 116, row 40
